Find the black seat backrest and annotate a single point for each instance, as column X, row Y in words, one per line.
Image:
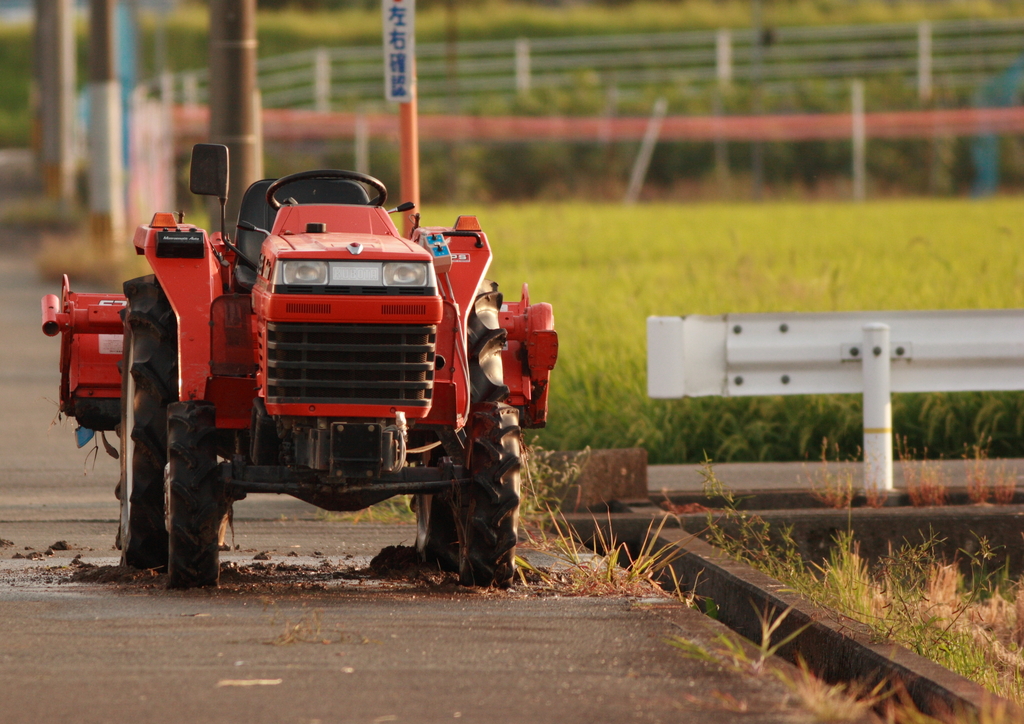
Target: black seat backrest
column 257, row 211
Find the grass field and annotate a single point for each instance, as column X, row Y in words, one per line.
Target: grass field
column 606, row 268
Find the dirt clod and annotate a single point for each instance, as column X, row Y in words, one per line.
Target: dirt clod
column 61, row 545
column 403, row 563
column 262, row 556
column 112, row 574
column 4, row 543
column 393, row 559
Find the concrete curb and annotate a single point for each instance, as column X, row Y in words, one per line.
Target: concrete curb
column 835, row 648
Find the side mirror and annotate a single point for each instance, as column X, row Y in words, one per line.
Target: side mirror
column 209, row 173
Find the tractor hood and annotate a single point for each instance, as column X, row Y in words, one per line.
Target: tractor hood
column 325, row 248
column 343, row 246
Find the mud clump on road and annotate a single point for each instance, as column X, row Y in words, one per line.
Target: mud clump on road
column 87, row 573
column 396, row 559
column 402, row 563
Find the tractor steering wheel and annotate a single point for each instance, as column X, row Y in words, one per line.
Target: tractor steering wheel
column 382, row 192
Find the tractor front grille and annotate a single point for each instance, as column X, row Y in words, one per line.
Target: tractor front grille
column 360, row 364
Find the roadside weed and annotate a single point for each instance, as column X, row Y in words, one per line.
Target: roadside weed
column 610, row 570
column 973, row 625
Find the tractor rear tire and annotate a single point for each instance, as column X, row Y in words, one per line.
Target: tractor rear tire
column 195, row 495
column 149, row 381
column 490, row 505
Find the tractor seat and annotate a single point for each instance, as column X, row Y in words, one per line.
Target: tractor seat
column 258, row 212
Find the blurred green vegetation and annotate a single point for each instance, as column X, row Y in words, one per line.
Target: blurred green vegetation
column 606, row 268
column 293, row 26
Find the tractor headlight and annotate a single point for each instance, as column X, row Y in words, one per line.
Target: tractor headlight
column 405, row 274
column 304, row 272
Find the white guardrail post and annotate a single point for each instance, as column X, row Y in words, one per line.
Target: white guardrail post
column 839, row 353
column 877, row 408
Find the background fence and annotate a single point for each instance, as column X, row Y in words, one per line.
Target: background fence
column 925, row 55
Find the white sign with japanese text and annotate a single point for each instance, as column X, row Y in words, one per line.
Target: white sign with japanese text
column 399, row 49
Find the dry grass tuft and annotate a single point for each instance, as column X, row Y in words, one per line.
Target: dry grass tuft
column 978, row 488
column 835, row 490
column 926, row 483
column 609, row 571
column 1005, row 485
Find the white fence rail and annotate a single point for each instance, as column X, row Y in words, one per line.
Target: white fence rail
column 873, row 353
column 926, row 55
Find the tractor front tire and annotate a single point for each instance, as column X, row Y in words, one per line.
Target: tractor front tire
column 149, row 381
column 195, row 497
column 489, row 510
column 437, row 535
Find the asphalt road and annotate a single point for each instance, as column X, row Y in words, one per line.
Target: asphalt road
column 307, row 637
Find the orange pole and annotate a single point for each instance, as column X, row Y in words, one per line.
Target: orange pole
column 409, row 157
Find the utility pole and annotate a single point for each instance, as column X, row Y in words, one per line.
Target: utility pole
column 232, row 89
column 106, row 167
column 56, row 67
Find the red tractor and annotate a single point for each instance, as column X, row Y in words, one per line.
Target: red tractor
column 318, row 354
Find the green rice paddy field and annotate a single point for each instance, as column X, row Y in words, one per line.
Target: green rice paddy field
column 606, row 268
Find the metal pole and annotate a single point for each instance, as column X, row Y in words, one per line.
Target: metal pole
column 410, row 154
column 106, row 167
column 523, row 65
column 924, row 60
column 721, row 147
column 643, row 158
column 451, row 64
column 56, row 55
column 859, row 135
column 723, row 57
column 877, row 408
column 232, row 85
column 756, row 70
column 34, row 100
column 321, row 80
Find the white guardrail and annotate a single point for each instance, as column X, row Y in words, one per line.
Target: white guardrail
column 952, row 53
column 873, row 353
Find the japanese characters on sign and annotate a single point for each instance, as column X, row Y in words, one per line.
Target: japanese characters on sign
column 399, row 49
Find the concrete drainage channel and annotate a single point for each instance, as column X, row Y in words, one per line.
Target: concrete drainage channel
column 834, row 648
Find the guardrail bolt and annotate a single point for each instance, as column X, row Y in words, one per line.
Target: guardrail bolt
column 900, row 351
column 783, row 327
column 877, row 351
column 854, row 351
column 785, row 379
column 737, row 329
column 738, row 380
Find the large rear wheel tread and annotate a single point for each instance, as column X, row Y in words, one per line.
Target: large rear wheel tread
column 149, row 377
column 195, row 496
